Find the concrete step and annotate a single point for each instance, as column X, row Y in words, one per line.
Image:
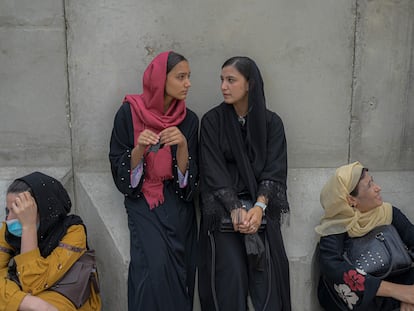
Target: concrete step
column 100, row 204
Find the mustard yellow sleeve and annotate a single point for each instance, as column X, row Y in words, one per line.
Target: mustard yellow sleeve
column 10, row 294
column 37, row 274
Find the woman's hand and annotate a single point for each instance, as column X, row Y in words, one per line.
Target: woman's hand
column 238, row 216
column 33, row 303
column 252, row 221
column 25, row 209
column 147, row 137
column 400, row 292
column 406, row 306
column 173, row 136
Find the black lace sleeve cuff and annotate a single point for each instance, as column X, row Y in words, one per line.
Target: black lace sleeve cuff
column 228, row 198
column 216, row 205
column 275, row 192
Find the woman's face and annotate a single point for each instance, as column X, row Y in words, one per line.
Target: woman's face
column 369, row 195
column 178, row 81
column 234, row 86
column 10, row 199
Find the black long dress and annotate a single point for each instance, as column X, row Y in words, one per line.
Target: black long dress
column 336, row 292
column 162, row 240
column 226, row 274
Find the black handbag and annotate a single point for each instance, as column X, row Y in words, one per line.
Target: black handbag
column 76, row 283
column 380, row 252
column 227, row 224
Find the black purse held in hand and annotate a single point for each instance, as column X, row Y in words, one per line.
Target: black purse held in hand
column 227, row 223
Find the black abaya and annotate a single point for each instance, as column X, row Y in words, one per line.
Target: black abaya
column 162, row 240
column 232, row 275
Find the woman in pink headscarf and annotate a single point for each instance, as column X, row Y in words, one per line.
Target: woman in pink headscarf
column 153, row 155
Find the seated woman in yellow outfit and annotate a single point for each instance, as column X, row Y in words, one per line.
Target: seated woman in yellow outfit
column 39, row 243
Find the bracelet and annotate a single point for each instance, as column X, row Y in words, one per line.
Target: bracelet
column 261, row 205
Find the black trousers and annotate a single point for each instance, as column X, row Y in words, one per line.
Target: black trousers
column 226, row 276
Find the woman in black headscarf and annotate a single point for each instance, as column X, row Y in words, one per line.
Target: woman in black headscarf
column 243, row 159
column 39, row 243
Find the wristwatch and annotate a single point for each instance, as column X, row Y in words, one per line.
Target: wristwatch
column 261, row 205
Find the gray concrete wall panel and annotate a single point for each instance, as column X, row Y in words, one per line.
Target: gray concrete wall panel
column 24, row 13
column 382, row 129
column 306, row 64
column 33, row 85
column 103, row 213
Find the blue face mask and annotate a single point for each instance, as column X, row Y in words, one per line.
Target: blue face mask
column 14, row 227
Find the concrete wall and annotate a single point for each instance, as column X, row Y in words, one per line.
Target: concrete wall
column 382, row 112
column 343, row 65
column 338, row 65
column 339, row 73
column 34, row 107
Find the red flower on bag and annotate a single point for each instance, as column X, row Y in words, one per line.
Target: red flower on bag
column 354, row 280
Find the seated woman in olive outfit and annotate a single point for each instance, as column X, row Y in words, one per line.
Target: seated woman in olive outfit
column 39, row 243
column 353, row 207
column 242, row 157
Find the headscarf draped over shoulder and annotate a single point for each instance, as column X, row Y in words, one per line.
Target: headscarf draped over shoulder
column 339, row 216
column 147, row 111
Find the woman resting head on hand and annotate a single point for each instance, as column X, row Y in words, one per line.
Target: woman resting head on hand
column 39, row 242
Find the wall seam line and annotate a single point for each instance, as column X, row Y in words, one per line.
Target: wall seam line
column 69, row 104
column 353, row 82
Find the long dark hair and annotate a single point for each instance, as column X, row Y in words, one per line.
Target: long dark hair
column 241, row 63
column 248, row 68
column 19, row 186
column 173, row 59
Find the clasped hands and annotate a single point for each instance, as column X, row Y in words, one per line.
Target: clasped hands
column 247, row 222
column 169, row 136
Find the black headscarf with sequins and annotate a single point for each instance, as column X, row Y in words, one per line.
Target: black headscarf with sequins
column 53, row 204
column 251, row 149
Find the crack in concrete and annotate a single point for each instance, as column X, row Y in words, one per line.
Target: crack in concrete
column 354, row 82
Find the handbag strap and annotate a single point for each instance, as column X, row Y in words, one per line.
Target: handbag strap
column 380, row 236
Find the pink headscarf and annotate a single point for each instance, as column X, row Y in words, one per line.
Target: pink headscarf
column 147, row 111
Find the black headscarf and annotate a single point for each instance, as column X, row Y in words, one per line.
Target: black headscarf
column 262, row 167
column 53, row 204
column 252, row 162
